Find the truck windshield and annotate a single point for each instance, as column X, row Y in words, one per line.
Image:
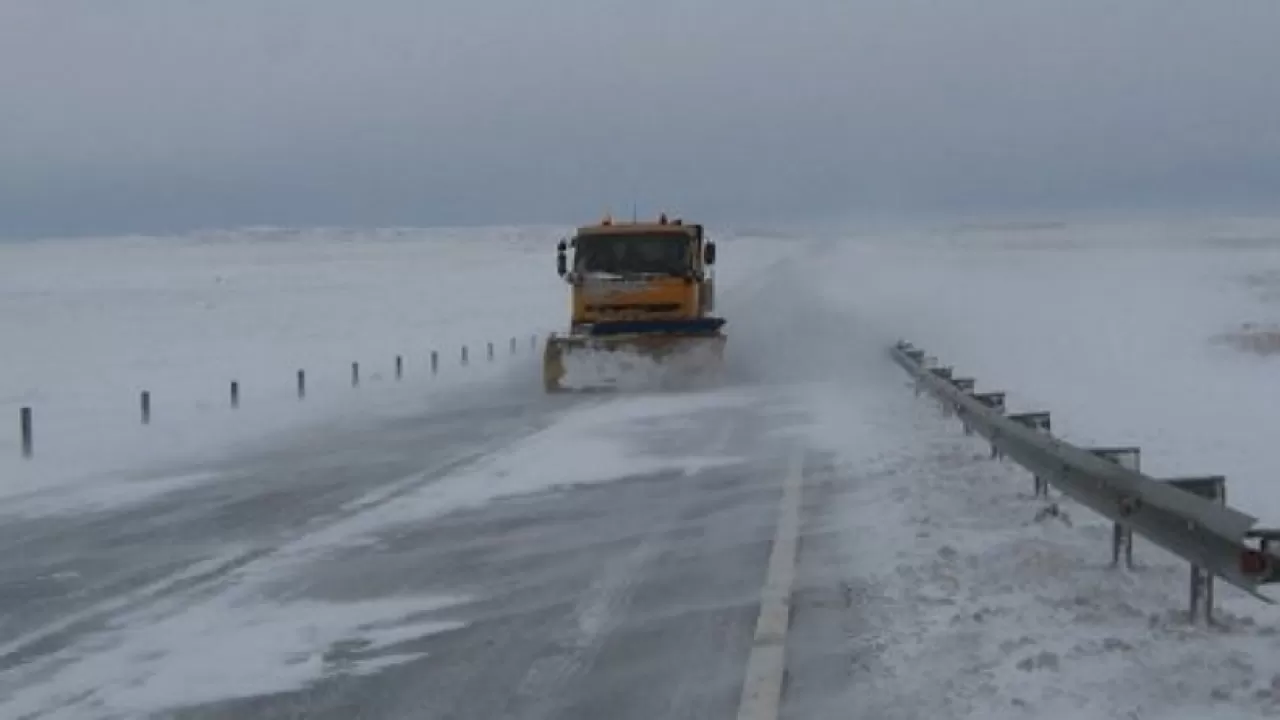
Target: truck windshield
column 625, row 254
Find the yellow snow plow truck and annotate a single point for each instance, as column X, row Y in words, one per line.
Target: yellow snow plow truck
column 641, row 302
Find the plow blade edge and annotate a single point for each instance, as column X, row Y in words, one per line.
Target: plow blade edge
column 595, row 363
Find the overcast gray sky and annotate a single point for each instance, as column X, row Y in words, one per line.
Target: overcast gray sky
column 151, row 115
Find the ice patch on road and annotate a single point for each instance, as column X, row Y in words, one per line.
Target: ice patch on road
column 219, row 649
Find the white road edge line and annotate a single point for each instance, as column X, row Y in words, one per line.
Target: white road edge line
column 762, row 690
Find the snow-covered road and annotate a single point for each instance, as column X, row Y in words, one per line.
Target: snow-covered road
column 445, row 550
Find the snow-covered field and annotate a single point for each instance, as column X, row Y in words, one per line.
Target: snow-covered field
column 1127, row 333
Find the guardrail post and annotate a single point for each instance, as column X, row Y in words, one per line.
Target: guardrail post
column 994, row 401
column 490, row 352
column 926, row 362
column 235, row 394
column 28, row 432
column 435, row 362
column 1040, row 422
column 1201, row 589
column 513, row 346
column 464, row 354
column 1210, row 487
column 355, row 374
column 944, row 373
column 146, row 407
column 399, row 367
column 302, row 384
column 917, row 356
column 1129, row 458
column 965, row 385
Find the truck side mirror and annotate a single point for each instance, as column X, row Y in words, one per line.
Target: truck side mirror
column 562, row 263
column 709, row 253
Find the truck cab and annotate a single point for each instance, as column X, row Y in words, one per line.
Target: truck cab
column 638, row 272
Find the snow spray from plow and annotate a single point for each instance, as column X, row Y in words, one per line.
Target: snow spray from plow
column 1187, row 517
column 587, row 365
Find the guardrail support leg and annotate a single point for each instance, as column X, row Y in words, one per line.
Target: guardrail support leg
column 995, row 401
column 965, row 385
column 1201, row 595
column 1211, row 487
column 1121, row 536
column 1208, row 598
column 944, row 373
column 1121, row 539
column 1040, row 422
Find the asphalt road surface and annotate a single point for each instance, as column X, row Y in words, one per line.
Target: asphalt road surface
column 299, row 583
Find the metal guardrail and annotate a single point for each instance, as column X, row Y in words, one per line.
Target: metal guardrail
column 1188, row 517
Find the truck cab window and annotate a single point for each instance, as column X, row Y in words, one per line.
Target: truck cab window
column 627, row 254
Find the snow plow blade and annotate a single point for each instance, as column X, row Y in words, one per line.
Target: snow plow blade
column 630, row 361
